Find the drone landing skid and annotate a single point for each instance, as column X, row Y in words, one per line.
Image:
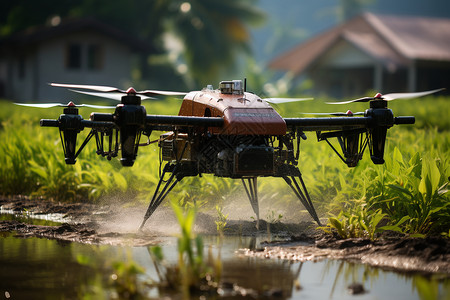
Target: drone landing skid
column 250, row 184
column 303, row 195
column 251, row 188
column 159, row 196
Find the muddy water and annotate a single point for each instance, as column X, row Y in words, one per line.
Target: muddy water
column 36, row 268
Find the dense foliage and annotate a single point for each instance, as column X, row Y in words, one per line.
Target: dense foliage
column 409, row 193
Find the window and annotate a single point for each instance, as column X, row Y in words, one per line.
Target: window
column 82, row 56
column 73, row 56
column 94, row 57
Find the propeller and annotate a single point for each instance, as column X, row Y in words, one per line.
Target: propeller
column 390, row 97
column 110, row 95
column 109, row 89
column 348, row 113
column 285, row 100
column 70, row 104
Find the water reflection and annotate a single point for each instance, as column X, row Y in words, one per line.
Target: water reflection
column 33, row 219
column 39, row 268
column 261, row 277
column 36, row 268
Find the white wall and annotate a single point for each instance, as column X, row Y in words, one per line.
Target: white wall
column 346, row 55
column 47, row 64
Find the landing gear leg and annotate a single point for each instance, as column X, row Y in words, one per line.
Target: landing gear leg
column 302, row 195
column 251, row 188
column 159, row 196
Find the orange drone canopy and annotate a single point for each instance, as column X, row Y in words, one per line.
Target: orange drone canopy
column 244, row 113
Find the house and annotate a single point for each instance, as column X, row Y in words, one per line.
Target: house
column 374, row 52
column 81, row 51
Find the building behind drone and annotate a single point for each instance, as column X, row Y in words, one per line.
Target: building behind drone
column 374, row 52
column 83, row 51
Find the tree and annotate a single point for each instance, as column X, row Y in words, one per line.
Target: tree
column 213, row 32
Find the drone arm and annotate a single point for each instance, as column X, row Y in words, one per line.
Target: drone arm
column 184, row 121
column 83, row 124
column 319, row 124
column 167, row 120
column 376, row 122
column 404, row 120
column 69, row 126
column 49, row 123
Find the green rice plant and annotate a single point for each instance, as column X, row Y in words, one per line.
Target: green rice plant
column 14, row 172
column 101, row 179
column 413, row 192
column 194, row 272
column 446, row 234
column 190, row 258
column 221, row 221
column 358, row 222
column 274, row 218
column 54, row 182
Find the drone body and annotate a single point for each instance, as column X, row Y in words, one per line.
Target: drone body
column 243, row 113
column 227, row 132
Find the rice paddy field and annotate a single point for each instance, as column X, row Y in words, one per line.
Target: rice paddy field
column 409, row 192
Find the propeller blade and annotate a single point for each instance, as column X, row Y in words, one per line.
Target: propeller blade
column 364, row 99
column 345, row 114
column 50, row 105
column 109, row 89
column 96, row 106
column 41, row 105
column 114, row 96
column 98, row 88
column 390, row 97
column 394, row 96
column 285, row 100
column 165, row 93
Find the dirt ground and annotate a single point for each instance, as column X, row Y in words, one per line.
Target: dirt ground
column 118, row 224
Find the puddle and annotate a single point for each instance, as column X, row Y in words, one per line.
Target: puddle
column 53, row 269
column 32, row 219
column 52, row 219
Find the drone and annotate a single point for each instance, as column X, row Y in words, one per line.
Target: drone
column 228, row 132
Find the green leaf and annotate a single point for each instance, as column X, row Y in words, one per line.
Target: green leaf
column 377, row 218
column 120, row 181
column 430, row 177
column 416, row 163
column 418, row 235
column 157, row 253
column 400, row 189
column 335, row 223
column 391, row 227
column 443, row 189
column 199, row 244
column 397, row 155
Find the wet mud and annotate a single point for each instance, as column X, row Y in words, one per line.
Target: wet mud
column 73, row 222
column 118, row 224
column 426, row 255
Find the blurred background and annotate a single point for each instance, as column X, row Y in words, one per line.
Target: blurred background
column 337, row 48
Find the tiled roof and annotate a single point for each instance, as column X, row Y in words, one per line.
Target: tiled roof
column 391, row 40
